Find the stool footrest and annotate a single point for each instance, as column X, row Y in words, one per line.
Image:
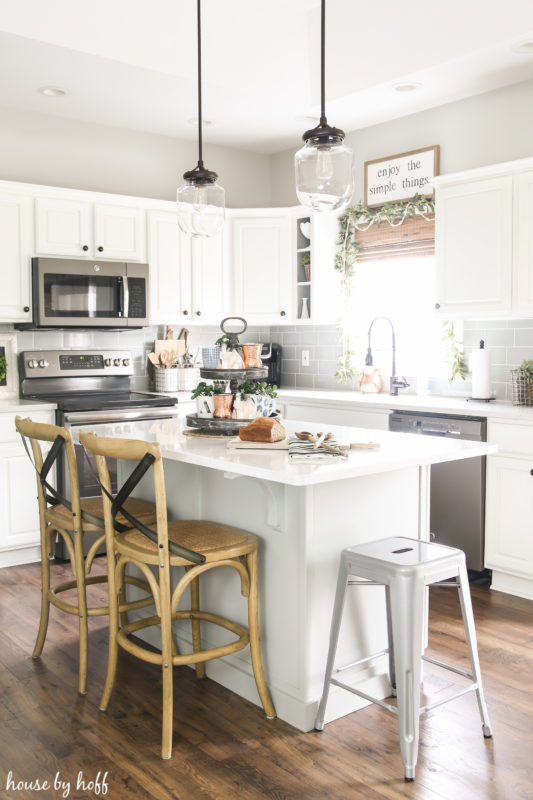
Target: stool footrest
column 449, row 667
column 365, row 696
column 362, row 661
column 472, row 688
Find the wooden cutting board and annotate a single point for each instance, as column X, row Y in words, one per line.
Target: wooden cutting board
column 239, row 444
column 174, row 347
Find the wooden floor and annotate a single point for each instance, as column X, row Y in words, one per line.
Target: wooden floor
column 224, row 748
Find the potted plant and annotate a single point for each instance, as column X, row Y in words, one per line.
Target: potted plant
column 204, row 396
column 3, row 370
column 305, row 261
column 262, row 395
column 523, row 383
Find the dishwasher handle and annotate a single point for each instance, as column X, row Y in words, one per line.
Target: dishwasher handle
column 439, row 432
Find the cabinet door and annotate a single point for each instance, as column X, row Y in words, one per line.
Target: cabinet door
column 263, row 268
column 119, row 232
column 165, row 258
column 207, row 280
column 509, row 515
column 63, row 228
column 15, row 264
column 523, row 284
column 473, row 237
column 18, row 499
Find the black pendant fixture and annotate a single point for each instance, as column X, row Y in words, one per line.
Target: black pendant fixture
column 201, row 203
column 323, row 166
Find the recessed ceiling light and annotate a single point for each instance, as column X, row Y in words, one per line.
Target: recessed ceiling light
column 406, row 87
column 194, row 121
column 52, row 91
column 524, row 48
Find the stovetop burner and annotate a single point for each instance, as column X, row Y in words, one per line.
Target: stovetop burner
column 100, row 401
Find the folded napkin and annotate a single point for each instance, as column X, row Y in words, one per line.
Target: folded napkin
column 305, row 452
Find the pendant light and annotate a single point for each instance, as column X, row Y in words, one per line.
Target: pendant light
column 323, row 166
column 201, row 198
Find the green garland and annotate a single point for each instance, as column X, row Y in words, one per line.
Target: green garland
column 361, row 218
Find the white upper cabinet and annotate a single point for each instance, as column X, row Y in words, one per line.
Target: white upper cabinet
column 483, row 242
column 82, row 229
column 523, row 276
column 16, row 239
column 262, row 265
column 186, row 275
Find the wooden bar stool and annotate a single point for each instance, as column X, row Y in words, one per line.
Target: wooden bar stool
column 55, row 517
column 196, row 545
column 405, row 567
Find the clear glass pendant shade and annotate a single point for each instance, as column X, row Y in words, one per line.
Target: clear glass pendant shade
column 324, row 175
column 201, row 208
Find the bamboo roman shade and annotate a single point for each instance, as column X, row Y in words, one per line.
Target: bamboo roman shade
column 414, row 237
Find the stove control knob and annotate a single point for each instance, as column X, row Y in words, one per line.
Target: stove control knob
column 126, row 362
column 116, row 362
column 32, row 364
column 108, row 362
column 43, row 363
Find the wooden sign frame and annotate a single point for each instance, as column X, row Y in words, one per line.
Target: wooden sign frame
column 400, row 176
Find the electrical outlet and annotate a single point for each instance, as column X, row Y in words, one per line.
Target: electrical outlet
column 305, row 358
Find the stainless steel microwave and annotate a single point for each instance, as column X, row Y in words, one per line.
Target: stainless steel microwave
column 96, row 294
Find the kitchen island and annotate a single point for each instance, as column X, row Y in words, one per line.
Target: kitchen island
column 303, row 514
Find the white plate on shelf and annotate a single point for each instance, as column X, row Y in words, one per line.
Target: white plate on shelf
column 305, row 228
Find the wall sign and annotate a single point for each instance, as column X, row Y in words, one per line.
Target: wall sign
column 388, row 180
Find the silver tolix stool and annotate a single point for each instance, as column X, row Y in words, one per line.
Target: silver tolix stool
column 405, row 567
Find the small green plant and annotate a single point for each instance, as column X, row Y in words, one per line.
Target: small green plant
column 455, row 353
column 305, row 259
column 525, row 370
column 257, row 387
column 3, row 368
column 205, row 390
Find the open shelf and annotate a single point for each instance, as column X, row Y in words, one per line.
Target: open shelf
column 303, row 267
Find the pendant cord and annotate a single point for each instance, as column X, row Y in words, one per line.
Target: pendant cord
column 199, row 28
column 323, row 120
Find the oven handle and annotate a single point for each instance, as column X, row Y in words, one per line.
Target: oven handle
column 120, row 415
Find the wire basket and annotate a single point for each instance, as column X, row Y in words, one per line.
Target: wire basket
column 522, row 389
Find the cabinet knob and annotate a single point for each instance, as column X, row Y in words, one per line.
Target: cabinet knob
column 100, row 249
column 85, row 247
column 26, row 309
column 437, row 306
column 185, row 313
column 531, row 471
column 198, row 313
column 282, row 313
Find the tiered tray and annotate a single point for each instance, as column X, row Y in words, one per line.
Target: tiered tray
column 227, row 427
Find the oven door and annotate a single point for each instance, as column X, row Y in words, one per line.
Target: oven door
column 87, row 472
column 72, row 293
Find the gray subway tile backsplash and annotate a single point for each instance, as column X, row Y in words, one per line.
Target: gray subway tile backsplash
column 510, row 342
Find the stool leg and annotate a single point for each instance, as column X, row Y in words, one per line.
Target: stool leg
column 392, row 668
column 470, row 632
column 255, row 648
column 196, row 635
column 407, row 613
column 46, row 534
column 78, row 568
column 340, row 595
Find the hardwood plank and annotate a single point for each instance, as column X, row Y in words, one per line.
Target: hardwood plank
column 223, row 746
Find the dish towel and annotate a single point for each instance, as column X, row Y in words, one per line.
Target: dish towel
column 302, row 452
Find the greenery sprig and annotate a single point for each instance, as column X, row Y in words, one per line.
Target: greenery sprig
column 455, row 352
column 3, row 368
column 257, row 387
column 524, row 372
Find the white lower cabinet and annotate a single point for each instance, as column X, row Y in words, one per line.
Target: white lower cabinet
column 509, row 509
column 19, row 513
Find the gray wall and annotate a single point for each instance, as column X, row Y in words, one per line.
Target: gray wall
column 485, row 129
column 38, row 148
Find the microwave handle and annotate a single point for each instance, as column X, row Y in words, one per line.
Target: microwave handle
column 125, row 297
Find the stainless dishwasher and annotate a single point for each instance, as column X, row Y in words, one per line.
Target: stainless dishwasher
column 457, row 499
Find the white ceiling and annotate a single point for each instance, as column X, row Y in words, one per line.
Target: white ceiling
column 132, row 63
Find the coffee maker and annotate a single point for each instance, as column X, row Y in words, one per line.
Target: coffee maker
column 271, row 358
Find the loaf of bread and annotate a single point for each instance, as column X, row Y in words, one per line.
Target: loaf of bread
column 263, row 429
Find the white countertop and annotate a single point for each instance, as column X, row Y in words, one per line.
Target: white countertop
column 397, row 451
column 409, row 402
column 16, row 405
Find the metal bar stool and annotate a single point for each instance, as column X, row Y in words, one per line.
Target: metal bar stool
column 405, row 567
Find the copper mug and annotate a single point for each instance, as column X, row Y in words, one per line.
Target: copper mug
column 251, row 354
column 222, row 404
